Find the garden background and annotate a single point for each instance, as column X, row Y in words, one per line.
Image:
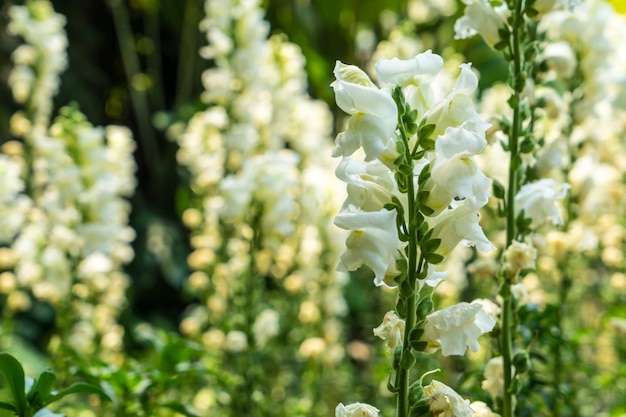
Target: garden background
column 177, row 326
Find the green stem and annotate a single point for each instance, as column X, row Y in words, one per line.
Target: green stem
column 187, row 62
column 414, row 268
column 508, row 401
column 139, row 100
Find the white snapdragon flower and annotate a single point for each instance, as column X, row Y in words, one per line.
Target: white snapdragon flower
column 374, row 114
column 560, row 58
column 405, row 72
column 415, row 75
column 481, row 18
column 356, row 410
column 445, row 402
column 455, row 173
column 433, row 278
column 391, row 330
column 457, row 108
column 456, row 328
column 494, row 378
column 373, row 241
column 459, row 225
column 482, row 410
column 538, row 199
column 518, row 257
column 370, row 185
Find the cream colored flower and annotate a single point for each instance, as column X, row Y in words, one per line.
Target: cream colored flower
column 373, row 241
column 494, row 377
column 538, row 200
column 445, row 402
column 356, row 410
column 518, row 257
column 482, row 410
column 456, row 328
column 391, row 330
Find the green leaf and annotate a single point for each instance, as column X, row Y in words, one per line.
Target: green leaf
column 14, row 375
column 78, row 388
column 425, row 307
column 426, row 130
column 7, row 406
column 427, row 143
column 433, row 258
column 397, row 355
column 527, row 145
column 498, row 189
column 500, row 45
column 421, row 410
column 41, row 389
column 430, row 246
column 416, row 393
column 419, row 346
column 179, row 408
column 406, row 169
column 398, row 97
column 408, row 360
column 530, row 12
column 415, row 335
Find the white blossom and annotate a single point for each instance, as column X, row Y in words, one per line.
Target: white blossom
column 391, row 330
column 445, row 402
column 459, row 225
column 538, row 199
column 356, row 410
column 455, row 173
column 373, row 241
column 374, row 114
column 481, row 18
column 456, row 328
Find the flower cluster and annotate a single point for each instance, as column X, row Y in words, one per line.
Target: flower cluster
column 261, row 232
column 40, row 60
column 69, row 202
column 414, row 191
column 454, row 187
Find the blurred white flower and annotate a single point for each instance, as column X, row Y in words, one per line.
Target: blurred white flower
column 538, row 199
column 445, row 402
column 482, row 410
column 560, row 58
column 494, row 378
column 518, row 257
column 481, row 18
column 266, row 326
column 236, row 341
column 356, row 410
column 456, row 328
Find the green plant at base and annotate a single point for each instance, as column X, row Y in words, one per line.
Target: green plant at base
column 40, row 394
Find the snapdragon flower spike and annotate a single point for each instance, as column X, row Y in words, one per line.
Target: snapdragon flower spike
column 374, row 114
column 373, row 241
